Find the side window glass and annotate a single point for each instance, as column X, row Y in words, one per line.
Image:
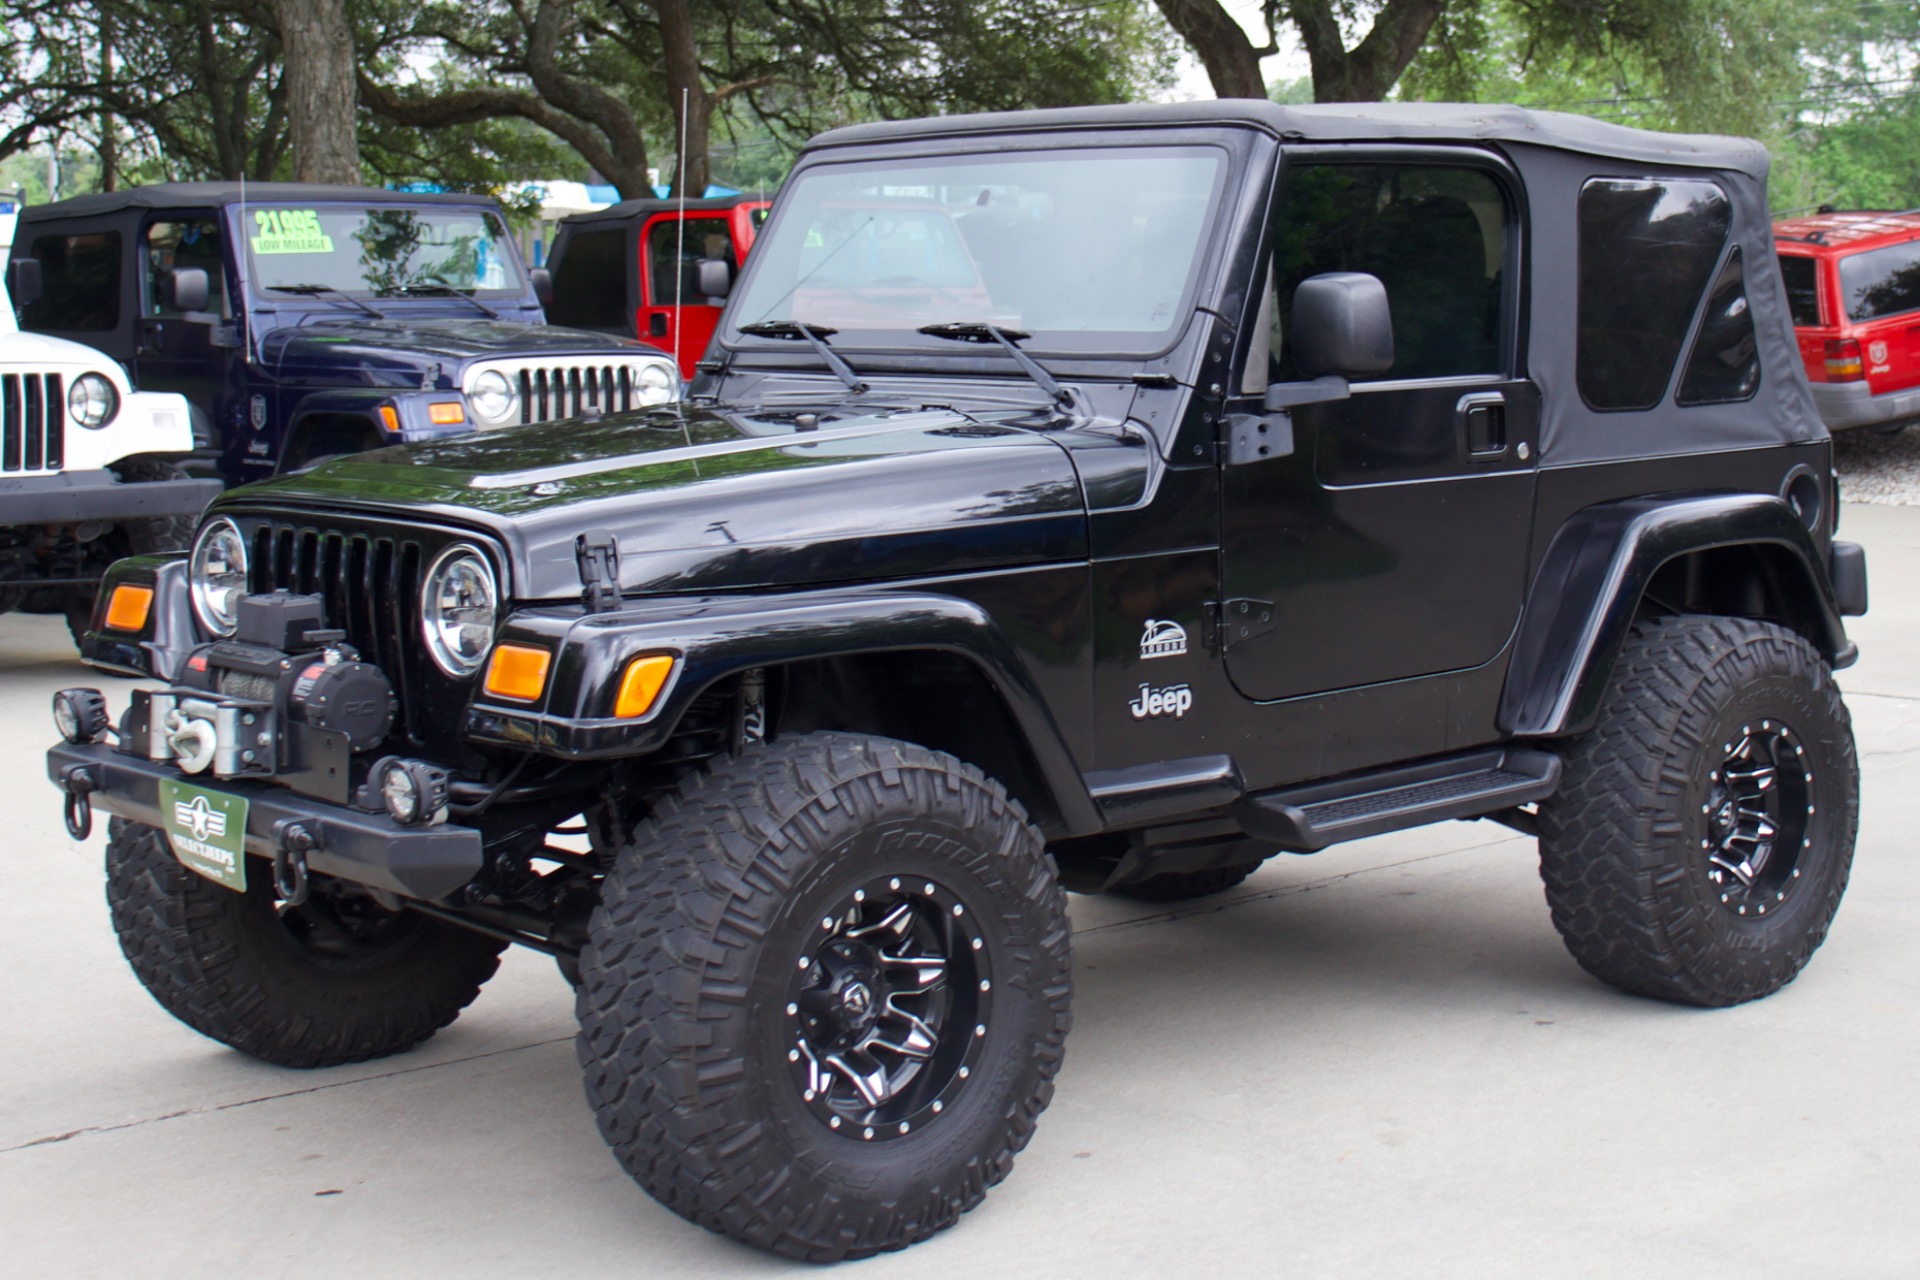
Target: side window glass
column 590, row 284
column 173, row 246
column 1881, row 282
column 1725, row 364
column 80, row 290
column 705, row 238
column 1647, row 250
column 1803, row 289
column 1434, row 235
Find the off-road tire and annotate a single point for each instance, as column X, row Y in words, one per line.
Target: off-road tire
column 1179, row 886
column 1626, row 844
column 224, row 963
column 133, row 537
column 687, row 1022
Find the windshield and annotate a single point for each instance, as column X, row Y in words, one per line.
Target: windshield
column 381, row 251
column 1091, row 250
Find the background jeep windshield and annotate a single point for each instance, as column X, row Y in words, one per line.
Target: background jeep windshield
column 380, row 250
column 1088, row 250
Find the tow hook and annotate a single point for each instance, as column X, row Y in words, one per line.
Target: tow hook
column 293, row 841
column 79, row 783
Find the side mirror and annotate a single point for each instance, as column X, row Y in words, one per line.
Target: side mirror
column 187, row 289
column 23, row 281
column 1341, row 325
column 715, row 277
column 542, row 285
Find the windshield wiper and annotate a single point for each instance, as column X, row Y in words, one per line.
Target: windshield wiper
column 964, row 331
column 434, row 289
column 816, row 334
column 323, row 290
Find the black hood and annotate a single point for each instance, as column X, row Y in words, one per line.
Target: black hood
column 410, row 343
column 717, row 500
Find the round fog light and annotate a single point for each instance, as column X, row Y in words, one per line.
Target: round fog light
column 414, row 792
column 80, row 715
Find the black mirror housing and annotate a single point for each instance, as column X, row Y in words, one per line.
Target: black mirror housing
column 715, row 277
column 542, row 285
column 1341, row 325
column 187, row 289
column 24, row 281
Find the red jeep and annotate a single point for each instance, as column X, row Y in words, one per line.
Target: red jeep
column 613, row 269
column 1853, row 284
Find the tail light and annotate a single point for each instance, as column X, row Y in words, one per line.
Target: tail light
column 1843, row 361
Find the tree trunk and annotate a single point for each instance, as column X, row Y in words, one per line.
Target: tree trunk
column 1232, row 63
column 322, row 93
column 692, row 171
column 1368, row 71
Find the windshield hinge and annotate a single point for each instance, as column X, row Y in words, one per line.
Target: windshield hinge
column 1230, row 622
column 596, row 554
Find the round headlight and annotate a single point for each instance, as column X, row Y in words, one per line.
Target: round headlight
column 217, row 576
column 492, row 399
column 459, row 609
column 654, row 383
column 92, row 401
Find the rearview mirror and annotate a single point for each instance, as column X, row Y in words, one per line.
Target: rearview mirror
column 1341, row 325
column 187, row 289
column 715, row 277
column 542, row 286
column 23, row 281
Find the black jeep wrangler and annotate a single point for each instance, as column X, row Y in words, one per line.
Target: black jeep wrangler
column 1101, row 499
column 304, row 321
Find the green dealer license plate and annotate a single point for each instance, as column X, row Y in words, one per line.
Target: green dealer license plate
column 208, row 831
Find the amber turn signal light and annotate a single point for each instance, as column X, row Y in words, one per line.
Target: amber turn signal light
column 447, row 413
column 128, row 608
column 518, row 671
column 644, row 679
column 390, row 416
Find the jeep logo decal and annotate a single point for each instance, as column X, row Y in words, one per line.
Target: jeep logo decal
column 1175, row 700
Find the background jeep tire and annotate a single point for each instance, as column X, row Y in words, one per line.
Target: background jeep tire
column 763, row 911
column 1659, row 869
column 1178, row 886
column 335, row 980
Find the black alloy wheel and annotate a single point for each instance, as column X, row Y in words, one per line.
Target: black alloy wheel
column 1758, row 809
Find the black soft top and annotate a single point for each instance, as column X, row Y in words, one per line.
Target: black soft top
column 638, row 210
column 1350, row 122
column 198, row 195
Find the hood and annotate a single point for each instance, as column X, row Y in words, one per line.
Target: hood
column 34, row 352
column 720, row 500
column 407, row 342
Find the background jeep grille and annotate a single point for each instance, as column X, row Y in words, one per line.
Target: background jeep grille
column 547, row 394
column 33, row 422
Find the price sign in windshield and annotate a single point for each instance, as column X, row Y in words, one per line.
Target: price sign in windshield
column 289, row 231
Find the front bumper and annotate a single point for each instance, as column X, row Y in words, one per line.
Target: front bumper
column 72, row 496
column 1846, row 405
column 369, row 849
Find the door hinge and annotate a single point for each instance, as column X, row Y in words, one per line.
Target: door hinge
column 1231, row 622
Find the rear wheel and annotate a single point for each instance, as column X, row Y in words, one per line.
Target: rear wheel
column 825, row 994
column 1700, row 842
column 336, row 979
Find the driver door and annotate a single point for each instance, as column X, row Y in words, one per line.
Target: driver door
column 176, row 350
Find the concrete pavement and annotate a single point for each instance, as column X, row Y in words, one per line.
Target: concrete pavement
column 1375, row 1062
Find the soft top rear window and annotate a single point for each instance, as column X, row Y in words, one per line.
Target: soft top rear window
column 1881, row 282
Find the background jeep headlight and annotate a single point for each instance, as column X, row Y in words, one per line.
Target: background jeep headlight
column 493, row 398
column 653, row 383
column 92, row 401
column 459, row 609
column 217, row 576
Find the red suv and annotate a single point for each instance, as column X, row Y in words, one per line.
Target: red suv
column 1853, row 285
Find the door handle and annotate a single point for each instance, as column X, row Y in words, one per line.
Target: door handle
column 1483, row 415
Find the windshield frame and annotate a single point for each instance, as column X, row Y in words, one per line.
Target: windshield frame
column 1218, row 226
column 239, row 231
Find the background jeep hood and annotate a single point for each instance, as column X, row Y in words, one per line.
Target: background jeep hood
column 412, row 343
column 726, row 501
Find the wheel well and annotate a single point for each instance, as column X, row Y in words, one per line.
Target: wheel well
column 348, row 432
column 1754, row 580
column 933, row 698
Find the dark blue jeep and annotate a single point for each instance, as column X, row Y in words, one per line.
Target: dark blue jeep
column 303, row 321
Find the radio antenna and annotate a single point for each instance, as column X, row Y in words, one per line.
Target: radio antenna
column 680, row 266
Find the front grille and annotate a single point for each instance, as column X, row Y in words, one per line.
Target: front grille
column 33, row 422
column 568, row 391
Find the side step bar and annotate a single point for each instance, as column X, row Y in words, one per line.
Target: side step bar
column 1308, row 819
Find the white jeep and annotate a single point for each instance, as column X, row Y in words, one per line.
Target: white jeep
column 87, row 470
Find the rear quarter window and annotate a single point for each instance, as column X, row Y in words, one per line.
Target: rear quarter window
column 80, row 291
column 1802, row 278
column 1881, row 282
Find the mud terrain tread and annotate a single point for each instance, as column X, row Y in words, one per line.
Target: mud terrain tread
column 1616, row 853
column 178, row 932
column 663, row 972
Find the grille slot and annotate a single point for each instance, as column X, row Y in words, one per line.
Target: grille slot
column 33, row 422
column 567, row 391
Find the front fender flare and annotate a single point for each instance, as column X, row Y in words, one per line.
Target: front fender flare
column 1594, row 574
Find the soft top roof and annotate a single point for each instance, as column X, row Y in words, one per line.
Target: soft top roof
column 635, row 210
column 198, row 195
column 1350, row 122
column 1849, row 227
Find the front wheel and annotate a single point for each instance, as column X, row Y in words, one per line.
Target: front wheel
column 1701, row 838
column 825, row 994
